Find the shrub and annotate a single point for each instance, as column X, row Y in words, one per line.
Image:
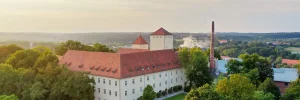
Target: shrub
column 179, row 87
column 158, row 94
column 175, row 89
column 139, row 98
column 170, row 90
column 164, row 92
column 187, row 89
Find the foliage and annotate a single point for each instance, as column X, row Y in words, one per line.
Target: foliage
column 10, row 97
column 52, row 83
column 216, row 54
column 237, row 87
column 45, row 58
column 170, row 90
column 158, row 94
column 293, row 91
column 148, row 93
column 62, row 48
column 5, row 51
column 250, row 62
column 253, row 75
column 260, row 95
column 205, row 92
column 268, row 86
column 23, row 58
column 195, row 64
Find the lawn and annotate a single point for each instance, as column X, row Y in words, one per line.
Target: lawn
column 293, row 49
column 177, row 97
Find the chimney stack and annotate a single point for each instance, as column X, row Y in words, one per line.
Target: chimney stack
column 212, row 51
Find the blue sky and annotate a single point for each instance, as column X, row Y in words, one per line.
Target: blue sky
column 149, row 15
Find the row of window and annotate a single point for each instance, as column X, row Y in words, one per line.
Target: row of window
column 109, row 82
column 160, row 36
column 104, row 92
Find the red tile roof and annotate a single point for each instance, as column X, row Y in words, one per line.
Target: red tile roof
column 161, row 31
column 225, row 57
column 129, row 50
column 124, row 65
column 222, row 41
column 140, row 40
column 290, row 62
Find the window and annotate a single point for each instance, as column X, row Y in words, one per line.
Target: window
column 159, row 83
column 125, row 83
column 176, row 71
column 98, row 90
column 132, row 81
column 171, row 81
column 181, row 77
column 176, row 79
column 98, row 80
column 116, row 83
column 116, row 93
column 171, row 72
column 109, row 92
column 104, row 91
column 99, row 99
column 159, row 75
column 141, row 79
column 125, row 93
column 153, row 76
column 132, row 91
column 141, row 89
column 153, row 85
column 166, row 82
column 109, row 82
column 166, row 74
column 103, row 81
column 147, row 78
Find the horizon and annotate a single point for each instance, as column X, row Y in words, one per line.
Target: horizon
column 84, row 16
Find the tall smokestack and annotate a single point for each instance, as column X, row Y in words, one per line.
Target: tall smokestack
column 212, row 51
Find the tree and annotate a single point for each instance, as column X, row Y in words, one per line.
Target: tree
column 5, row 51
column 216, row 53
column 205, row 92
column 293, row 91
column 233, row 66
column 195, row 64
column 237, row 87
column 45, row 58
column 62, row 48
column 253, row 75
column 260, row 95
column 10, row 97
column 23, row 58
column 268, row 86
column 148, row 93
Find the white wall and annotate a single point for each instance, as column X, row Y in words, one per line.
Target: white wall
column 108, row 87
column 153, row 79
column 140, row 46
column 161, row 42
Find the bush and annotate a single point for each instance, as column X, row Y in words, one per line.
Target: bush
column 175, row 89
column 187, row 89
column 158, row 94
column 179, row 87
column 139, row 98
column 170, row 90
column 164, row 92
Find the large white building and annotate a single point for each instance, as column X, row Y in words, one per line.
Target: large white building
column 124, row 75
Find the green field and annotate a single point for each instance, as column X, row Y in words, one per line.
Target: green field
column 293, row 49
column 177, row 97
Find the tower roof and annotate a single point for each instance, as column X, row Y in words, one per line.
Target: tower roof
column 161, row 31
column 140, row 40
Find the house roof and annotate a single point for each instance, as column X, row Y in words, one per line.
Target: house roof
column 225, row 57
column 161, row 31
column 285, row 74
column 130, row 50
column 220, row 65
column 140, row 40
column 290, row 62
column 222, row 41
column 120, row 65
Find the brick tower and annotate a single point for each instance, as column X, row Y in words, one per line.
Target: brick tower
column 212, row 53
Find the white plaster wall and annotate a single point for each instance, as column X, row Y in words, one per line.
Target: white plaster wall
column 140, row 46
column 112, row 87
column 157, row 42
column 168, row 41
column 166, row 82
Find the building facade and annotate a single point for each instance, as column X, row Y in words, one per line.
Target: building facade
column 161, row 40
column 124, row 75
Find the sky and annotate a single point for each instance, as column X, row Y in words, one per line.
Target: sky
column 73, row 16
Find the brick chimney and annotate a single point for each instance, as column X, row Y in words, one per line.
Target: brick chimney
column 212, row 51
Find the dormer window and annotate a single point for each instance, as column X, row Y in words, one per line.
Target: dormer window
column 98, row 68
column 80, row 66
column 142, row 68
column 148, row 68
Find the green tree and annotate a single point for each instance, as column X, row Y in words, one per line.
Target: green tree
column 23, row 58
column 253, row 75
column 10, row 97
column 237, row 87
column 233, row 66
column 260, row 95
column 293, row 91
column 148, row 93
column 195, row 64
column 5, row 51
column 268, row 86
column 216, row 53
column 205, row 92
column 101, row 47
column 45, row 58
column 62, row 48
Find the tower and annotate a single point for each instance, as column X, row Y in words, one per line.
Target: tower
column 161, row 40
column 140, row 43
column 212, row 51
